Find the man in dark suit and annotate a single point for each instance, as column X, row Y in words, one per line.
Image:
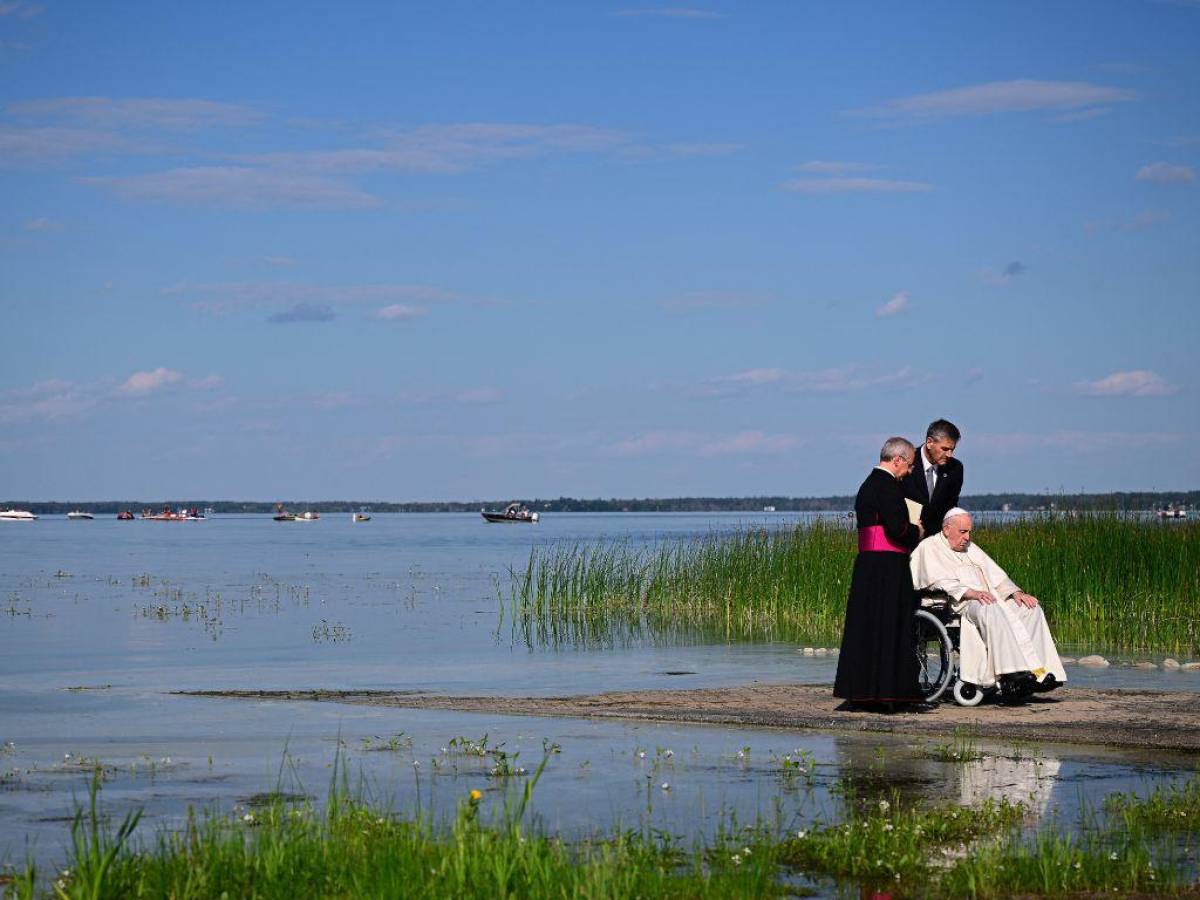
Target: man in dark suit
column 937, row 477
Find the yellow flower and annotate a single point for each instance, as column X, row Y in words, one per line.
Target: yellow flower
column 476, row 796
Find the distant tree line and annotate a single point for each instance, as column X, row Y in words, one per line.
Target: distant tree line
column 1117, row 502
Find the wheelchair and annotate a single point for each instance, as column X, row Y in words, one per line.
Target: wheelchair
column 936, row 632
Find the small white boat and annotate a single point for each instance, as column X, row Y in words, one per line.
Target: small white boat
column 16, row 515
column 79, row 515
column 308, row 516
column 360, row 517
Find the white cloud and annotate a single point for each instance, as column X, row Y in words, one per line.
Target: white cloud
column 223, row 297
column 1147, row 218
column 850, row 185
column 483, row 395
column 817, row 381
column 56, row 399
column 1166, row 173
column 238, row 187
column 41, row 223
column 1021, row 95
column 449, row 148
column 303, row 312
column 46, row 401
column 21, row 9
column 134, row 113
column 34, row 146
column 1136, row 383
column 750, row 377
column 399, row 312
column 147, row 382
column 1006, row 443
column 898, row 304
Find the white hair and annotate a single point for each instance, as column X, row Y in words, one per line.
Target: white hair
column 954, row 513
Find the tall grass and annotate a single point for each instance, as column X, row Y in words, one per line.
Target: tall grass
column 1106, row 582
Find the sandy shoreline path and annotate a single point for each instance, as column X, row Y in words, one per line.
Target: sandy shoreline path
column 1113, row 718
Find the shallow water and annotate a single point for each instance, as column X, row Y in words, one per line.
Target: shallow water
column 102, row 619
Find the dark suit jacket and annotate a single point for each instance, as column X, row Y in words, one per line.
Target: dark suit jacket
column 945, row 490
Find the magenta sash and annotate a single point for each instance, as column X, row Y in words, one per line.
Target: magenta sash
column 874, row 539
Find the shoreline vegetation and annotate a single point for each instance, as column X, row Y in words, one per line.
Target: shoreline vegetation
column 874, row 841
column 1107, row 582
column 1125, row 501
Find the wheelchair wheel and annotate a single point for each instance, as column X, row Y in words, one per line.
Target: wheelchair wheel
column 967, row 694
column 935, row 654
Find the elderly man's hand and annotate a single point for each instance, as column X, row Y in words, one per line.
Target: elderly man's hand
column 982, row 596
column 1027, row 600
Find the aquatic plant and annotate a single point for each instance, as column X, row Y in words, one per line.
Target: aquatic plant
column 963, row 747
column 282, row 847
column 1169, row 807
column 1105, row 582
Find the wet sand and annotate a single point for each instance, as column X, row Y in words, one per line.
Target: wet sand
column 1114, row 718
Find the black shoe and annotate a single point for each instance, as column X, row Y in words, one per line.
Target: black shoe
column 1015, row 687
column 1047, row 684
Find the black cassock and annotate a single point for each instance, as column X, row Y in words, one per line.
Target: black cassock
column 878, row 662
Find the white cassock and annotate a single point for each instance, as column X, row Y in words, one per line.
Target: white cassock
column 995, row 638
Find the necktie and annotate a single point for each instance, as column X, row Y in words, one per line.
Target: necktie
column 931, row 479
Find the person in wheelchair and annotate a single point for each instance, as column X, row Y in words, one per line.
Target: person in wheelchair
column 1004, row 638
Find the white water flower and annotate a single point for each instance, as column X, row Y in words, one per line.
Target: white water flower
column 1113, row 855
column 641, row 754
column 887, row 826
column 884, row 806
column 745, row 851
column 666, row 786
column 248, row 818
column 668, row 753
column 801, row 834
column 737, row 860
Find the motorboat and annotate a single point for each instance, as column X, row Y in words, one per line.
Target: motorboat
column 308, row 516
column 1170, row 511
column 282, row 515
column 16, row 515
column 172, row 515
column 80, row 515
column 360, row 517
column 125, row 515
column 514, row 512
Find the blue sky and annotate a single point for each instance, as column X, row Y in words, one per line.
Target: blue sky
column 450, row 251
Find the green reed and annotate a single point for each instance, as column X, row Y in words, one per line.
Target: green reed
column 1106, row 582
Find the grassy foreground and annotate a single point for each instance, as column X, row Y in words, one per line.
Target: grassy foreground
column 1143, row 845
column 1106, row 582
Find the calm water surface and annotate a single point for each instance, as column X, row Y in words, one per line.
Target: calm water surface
column 102, row 619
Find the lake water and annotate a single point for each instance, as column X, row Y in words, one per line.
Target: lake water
column 102, row 619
